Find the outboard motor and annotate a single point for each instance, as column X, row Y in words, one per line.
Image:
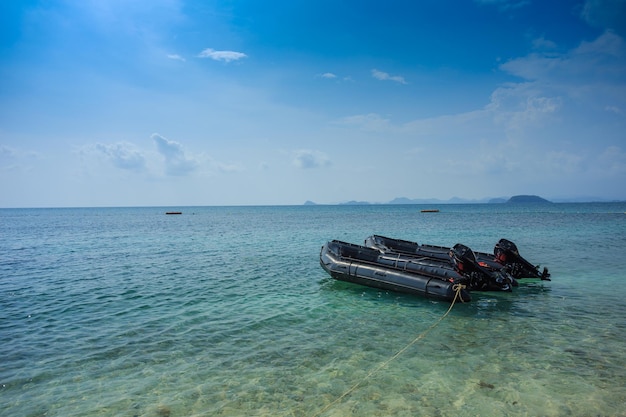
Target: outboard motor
column 507, row 254
column 463, row 258
column 479, row 277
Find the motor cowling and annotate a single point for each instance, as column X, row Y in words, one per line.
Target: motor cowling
column 463, row 258
column 505, row 250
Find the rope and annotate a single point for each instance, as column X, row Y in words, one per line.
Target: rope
column 457, row 288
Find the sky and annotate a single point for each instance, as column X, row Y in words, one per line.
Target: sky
column 215, row 102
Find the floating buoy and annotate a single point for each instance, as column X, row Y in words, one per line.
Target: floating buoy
column 173, row 212
column 430, row 211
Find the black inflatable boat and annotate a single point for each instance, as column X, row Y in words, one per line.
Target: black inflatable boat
column 505, row 255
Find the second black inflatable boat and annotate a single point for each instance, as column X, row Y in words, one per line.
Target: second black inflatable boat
column 505, row 255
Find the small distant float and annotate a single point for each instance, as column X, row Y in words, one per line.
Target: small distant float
column 427, row 270
column 173, row 212
column 430, row 211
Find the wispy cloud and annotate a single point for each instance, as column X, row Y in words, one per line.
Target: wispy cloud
column 176, row 57
column 335, row 77
column 542, row 43
column 523, row 105
column 16, row 159
column 307, row 159
column 613, row 109
column 383, row 76
column 177, row 163
column 597, row 61
column 123, row 155
column 225, row 56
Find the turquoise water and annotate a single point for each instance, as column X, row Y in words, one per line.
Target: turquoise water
column 225, row 311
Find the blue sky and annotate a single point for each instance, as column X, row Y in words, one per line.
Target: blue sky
column 201, row 102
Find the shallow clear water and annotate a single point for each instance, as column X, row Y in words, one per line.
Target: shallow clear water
column 225, row 311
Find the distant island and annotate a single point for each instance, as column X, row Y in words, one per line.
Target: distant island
column 527, row 199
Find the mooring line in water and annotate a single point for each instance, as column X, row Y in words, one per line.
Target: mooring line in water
column 457, row 288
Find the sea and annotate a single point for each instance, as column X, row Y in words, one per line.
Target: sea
column 225, row 311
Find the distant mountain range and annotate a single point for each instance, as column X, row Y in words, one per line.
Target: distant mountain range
column 456, row 200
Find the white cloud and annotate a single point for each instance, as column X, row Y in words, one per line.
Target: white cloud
column 520, row 106
column 383, row 76
column 123, row 155
column 225, row 56
column 335, row 77
column 177, row 163
column 176, row 57
column 306, row 159
column 608, row 45
column 590, row 62
column 587, row 78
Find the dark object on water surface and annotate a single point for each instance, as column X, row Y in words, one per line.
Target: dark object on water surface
column 173, row 212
